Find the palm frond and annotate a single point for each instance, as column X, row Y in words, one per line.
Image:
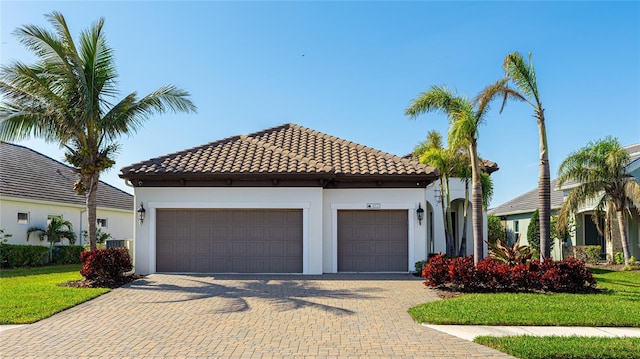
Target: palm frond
column 523, row 75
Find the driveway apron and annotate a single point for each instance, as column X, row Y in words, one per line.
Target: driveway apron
column 260, row 316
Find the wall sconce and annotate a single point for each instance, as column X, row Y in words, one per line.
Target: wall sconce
column 420, row 213
column 437, row 195
column 141, row 212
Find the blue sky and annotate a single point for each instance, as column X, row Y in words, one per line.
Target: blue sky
column 350, row 69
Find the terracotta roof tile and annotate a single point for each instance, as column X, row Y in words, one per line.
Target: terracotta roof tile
column 286, row 149
column 25, row 173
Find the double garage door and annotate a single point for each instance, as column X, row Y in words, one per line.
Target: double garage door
column 270, row 241
column 229, row 240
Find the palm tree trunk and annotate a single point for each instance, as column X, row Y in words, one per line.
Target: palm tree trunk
column 622, row 226
column 451, row 247
column 476, row 206
column 463, row 237
column 91, row 208
column 544, row 190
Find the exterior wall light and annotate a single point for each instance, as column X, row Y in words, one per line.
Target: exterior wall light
column 420, row 213
column 141, row 212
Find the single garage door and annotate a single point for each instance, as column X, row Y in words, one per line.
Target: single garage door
column 229, row 240
column 373, row 241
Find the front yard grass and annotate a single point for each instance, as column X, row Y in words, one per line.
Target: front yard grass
column 618, row 307
column 32, row 294
column 564, row 347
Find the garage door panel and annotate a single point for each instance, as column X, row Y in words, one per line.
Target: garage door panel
column 372, row 241
column 243, row 241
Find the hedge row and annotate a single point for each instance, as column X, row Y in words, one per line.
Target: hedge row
column 568, row 275
column 17, row 255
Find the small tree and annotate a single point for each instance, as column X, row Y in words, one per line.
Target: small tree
column 533, row 233
column 57, row 230
column 495, row 230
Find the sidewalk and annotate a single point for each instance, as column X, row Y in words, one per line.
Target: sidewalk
column 470, row 332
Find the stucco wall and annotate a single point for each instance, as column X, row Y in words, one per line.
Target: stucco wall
column 119, row 222
column 307, row 199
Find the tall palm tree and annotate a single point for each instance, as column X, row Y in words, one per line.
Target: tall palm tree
column 68, row 97
column 465, row 117
column 600, row 170
column 524, row 77
column 57, row 230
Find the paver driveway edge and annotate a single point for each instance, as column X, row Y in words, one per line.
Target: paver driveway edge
column 162, row 315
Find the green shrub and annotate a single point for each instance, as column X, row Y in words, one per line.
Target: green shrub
column 17, row 255
column 618, row 258
column 67, row 254
column 87, row 246
column 592, row 254
column 420, row 265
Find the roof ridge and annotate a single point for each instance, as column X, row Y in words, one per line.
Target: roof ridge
column 317, row 164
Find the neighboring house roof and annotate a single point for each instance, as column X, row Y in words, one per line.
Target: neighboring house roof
column 288, row 151
column 27, row 174
column 528, row 202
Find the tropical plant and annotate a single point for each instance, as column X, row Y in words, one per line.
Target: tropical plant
column 509, row 255
column 465, row 117
column 68, row 97
column 57, row 230
column 522, row 74
column 601, row 174
column 101, row 237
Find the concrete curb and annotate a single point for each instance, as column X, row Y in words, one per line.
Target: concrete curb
column 470, row 332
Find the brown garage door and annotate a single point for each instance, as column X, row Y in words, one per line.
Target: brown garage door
column 229, row 240
column 373, row 241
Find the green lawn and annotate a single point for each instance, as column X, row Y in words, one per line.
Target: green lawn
column 29, row 295
column 619, row 307
column 564, row 347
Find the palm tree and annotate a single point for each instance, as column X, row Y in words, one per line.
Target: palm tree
column 432, row 153
column 57, row 230
column 465, row 117
column 524, row 77
column 68, row 97
column 600, row 170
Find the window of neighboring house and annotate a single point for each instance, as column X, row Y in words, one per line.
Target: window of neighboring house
column 23, row 217
column 101, row 222
column 52, row 216
column 516, row 226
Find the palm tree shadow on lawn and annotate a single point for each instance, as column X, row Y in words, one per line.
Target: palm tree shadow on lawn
column 283, row 294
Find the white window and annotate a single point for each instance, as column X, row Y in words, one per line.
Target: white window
column 102, row 222
column 23, row 217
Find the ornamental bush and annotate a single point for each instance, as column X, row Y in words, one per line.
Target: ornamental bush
column 569, row 275
column 105, row 266
column 19, row 255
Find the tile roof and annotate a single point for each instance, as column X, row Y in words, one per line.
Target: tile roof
column 288, row 149
column 528, row 202
column 25, row 173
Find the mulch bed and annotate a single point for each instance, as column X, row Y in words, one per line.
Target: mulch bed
column 83, row 283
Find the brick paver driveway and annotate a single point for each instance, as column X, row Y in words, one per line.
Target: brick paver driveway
column 342, row 315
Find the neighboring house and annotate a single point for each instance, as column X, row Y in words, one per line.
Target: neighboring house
column 284, row 200
column 517, row 213
column 34, row 188
column 516, row 216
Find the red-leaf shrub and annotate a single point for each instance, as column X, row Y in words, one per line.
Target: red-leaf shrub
column 105, row 265
column 462, row 273
column 436, row 272
column 568, row 275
